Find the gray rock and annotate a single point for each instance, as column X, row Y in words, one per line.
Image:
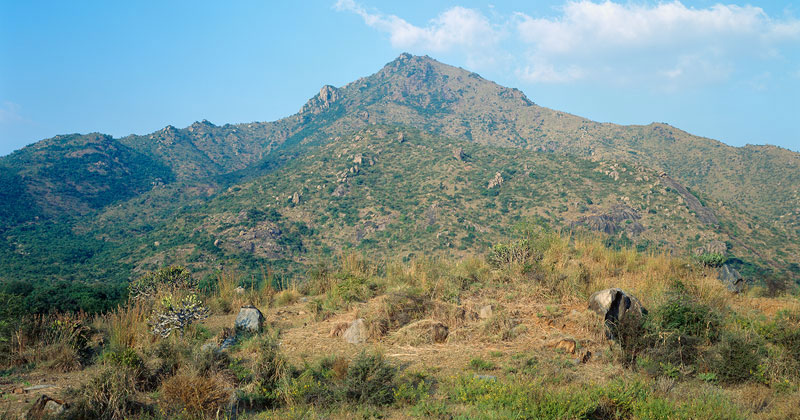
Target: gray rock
column 486, row 377
column 249, row 319
column 239, row 290
column 614, row 305
column 46, row 408
column 485, row 312
column 356, row 333
column 731, row 278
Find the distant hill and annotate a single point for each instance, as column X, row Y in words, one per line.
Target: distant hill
column 419, row 158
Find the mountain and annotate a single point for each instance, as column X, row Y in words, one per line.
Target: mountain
column 420, row 158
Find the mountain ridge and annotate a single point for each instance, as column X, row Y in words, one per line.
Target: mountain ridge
column 183, row 168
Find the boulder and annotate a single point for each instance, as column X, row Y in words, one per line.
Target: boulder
column 239, row 290
column 249, row 319
column 731, row 278
column 356, row 333
column 614, row 305
column 485, row 312
column 45, row 408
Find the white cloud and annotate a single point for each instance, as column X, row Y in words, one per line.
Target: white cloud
column 455, row 28
column 664, row 44
column 9, row 113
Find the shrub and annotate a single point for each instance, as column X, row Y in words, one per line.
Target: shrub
column 520, row 252
column 168, row 279
column 370, row 380
column 682, row 314
column 173, row 314
column 61, row 341
column 199, row 396
column 736, row 359
column 711, row 259
column 109, row 395
column 270, row 369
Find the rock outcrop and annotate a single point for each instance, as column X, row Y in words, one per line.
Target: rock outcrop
column 703, row 213
column 356, row 333
column 496, row 181
column 612, row 221
column 731, row 278
column 249, row 319
column 615, row 305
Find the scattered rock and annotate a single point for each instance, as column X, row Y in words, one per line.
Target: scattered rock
column 249, row 319
column 614, row 305
column 713, row 247
column 458, row 153
column 341, row 190
column 485, row 312
column 731, row 278
column 585, row 357
column 356, row 333
column 568, row 345
column 217, row 242
column 702, row 212
column 401, row 137
column 615, row 219
column 339, row 329
column 46, row 407
column 296, row 198
column 239, row 290
column 496, row 181
column 38, row 387
column 425, row 331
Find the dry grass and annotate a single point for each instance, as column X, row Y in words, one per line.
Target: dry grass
column 127, row 325
column 200, row 397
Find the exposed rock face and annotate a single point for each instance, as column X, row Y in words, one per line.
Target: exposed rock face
column 731, row 278
column 261, row 240
column 322, row 101
column 341, row 190
column 612, row 221
column 356, row 333
column 703, row 213
column 713, row 247
column 458, row 153
column 614, row 305
column 496, row 181
column 249, row 319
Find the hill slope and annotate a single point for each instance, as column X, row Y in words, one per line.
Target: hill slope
column 399, row 163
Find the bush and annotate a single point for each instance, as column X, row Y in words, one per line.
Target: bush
column 109, row 395
column 682, row 314
column 520, row 252
column 736, row 359
column 711, row 259
column 199, row 396
column 270, row 369
column 174, row 314
column 168, row 280
column 370, row 380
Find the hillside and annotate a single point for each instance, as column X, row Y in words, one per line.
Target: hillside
column 336, row 175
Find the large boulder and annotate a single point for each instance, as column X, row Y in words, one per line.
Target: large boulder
column 614, row 305
column 731, row 278
column 356, row 333
column 249, row 319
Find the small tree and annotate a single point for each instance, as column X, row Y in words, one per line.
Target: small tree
column 175, row 314
column 168, row 279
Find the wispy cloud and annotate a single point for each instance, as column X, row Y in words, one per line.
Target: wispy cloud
column 625, row 43
column 455, row 29
column 9, row 113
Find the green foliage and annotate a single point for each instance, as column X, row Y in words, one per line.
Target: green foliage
column 520, row 252
column 481, row 364
column 684, row 315
column 711, row 259
column 370, row 380
column 736, row 359
column 166, row 280
column 176, row 314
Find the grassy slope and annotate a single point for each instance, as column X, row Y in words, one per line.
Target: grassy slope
column 535, row 304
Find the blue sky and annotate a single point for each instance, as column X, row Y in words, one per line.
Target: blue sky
column 729, row 71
